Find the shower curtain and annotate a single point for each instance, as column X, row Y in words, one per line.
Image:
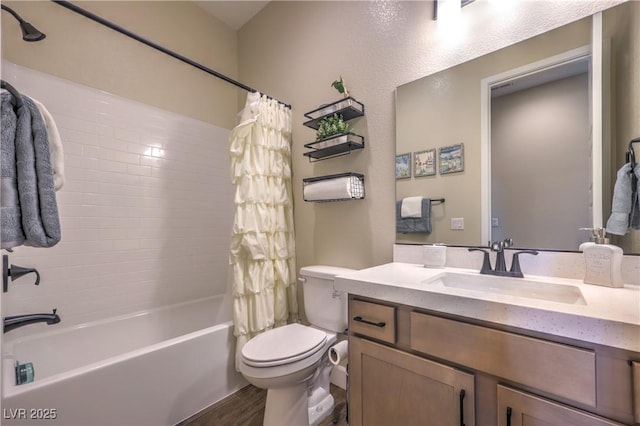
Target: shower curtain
column 262, row 251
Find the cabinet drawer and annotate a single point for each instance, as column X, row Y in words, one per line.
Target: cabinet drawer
column 558, row 369
column 373, row 320
column 516, row 408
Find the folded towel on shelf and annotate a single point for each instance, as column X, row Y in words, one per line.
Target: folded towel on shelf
column 625, row 206
column 34, row 177
column 11, row 234
column 55, row 145
column 333, row 189
column 411, row 207
column 412, row 224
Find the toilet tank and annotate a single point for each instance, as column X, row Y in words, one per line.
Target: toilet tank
column 325, row 307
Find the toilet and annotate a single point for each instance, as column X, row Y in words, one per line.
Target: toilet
column 292, row 362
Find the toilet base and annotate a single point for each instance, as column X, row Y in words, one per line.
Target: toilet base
column 287, row 406
column 321, row 410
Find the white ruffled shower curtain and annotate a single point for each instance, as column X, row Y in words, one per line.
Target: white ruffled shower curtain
column 262, row 243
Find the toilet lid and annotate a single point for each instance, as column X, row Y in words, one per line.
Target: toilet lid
column 283, row 345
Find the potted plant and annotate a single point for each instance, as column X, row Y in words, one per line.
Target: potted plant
column 340, row 87
column 330, row 126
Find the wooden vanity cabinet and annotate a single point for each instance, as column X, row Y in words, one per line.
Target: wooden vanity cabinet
column 516, row 408
column 388, row 386
column 411, row 367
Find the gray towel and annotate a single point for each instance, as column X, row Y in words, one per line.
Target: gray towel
column 414, row 224
column 634, row 216
column 11, row 234
column 625, row 206
column 34, row 176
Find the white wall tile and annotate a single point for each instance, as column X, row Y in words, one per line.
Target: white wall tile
column 146, row 210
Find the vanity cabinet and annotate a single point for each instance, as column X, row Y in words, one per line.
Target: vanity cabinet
column 388, row 386
column 409, row 366
column 517, row 408
column 392, row 387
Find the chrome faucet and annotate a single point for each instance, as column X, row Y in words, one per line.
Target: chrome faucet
column 16, row 321
column 501, row 265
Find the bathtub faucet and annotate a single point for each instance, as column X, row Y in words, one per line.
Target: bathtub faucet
column 19, row 320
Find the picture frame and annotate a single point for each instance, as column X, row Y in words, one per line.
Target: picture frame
column 451, row 159
column 424, row 163
column 403, row 166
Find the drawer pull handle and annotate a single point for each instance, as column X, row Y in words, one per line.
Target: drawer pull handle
column 509, row 410
column 462, row 394
column 377, row 324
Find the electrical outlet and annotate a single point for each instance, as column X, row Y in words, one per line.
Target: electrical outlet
column 457, row 223
column 495, row 222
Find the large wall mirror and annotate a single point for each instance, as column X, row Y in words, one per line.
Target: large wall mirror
column 541, row 127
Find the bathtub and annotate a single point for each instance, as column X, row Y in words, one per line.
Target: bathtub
column 156, row 367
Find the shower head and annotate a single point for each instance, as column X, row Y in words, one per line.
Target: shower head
column 29, row 32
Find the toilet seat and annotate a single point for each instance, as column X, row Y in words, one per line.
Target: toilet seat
column 283, row 345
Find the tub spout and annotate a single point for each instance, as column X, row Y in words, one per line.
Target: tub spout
column 20, row 320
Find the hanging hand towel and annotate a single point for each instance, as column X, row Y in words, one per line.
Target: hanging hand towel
column 634, row 216
column 55, row 145
column 412, row 224
column 411, row 207
column 625, row 209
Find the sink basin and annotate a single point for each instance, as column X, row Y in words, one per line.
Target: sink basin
column 517, row 287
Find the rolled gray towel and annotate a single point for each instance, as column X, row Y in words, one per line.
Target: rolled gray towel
column 40, row 220
column 11, row 234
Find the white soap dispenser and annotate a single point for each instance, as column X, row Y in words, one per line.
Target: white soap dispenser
column 602, row 260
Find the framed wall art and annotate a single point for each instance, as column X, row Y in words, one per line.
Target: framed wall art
column 403, row 166
column 451, row 159
column 424, row 163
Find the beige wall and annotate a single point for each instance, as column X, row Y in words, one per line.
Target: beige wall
column 86, row 52
column 294, row 50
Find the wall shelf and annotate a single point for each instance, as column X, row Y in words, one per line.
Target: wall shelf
column 334, row 146
column 349, row 108
column 338, row 187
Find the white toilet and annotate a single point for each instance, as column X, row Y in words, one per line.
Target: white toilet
column 291, row 361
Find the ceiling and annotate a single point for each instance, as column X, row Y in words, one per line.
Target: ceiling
column 233, row 13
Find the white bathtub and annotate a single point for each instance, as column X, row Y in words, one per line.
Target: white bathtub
column 156, row 367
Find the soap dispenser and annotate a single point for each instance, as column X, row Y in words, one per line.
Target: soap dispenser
column 602, row 260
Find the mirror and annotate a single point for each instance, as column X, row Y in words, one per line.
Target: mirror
column 501, row 122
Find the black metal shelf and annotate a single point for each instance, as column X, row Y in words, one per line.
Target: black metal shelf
column 348, row 108
column 355, row 192
column 334, row 146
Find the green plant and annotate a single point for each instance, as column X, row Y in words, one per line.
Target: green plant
column 331, row 125
column 340, row 87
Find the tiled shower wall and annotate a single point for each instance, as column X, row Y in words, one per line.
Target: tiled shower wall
column 146, row 210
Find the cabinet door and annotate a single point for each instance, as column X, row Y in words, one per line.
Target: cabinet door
column 517, row 408
column 391, row 387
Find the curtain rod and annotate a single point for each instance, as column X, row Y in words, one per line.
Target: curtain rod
column 156, row 46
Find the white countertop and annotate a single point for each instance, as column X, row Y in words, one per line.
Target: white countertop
column 611, row 316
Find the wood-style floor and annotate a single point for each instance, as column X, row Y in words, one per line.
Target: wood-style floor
column 246, row 408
